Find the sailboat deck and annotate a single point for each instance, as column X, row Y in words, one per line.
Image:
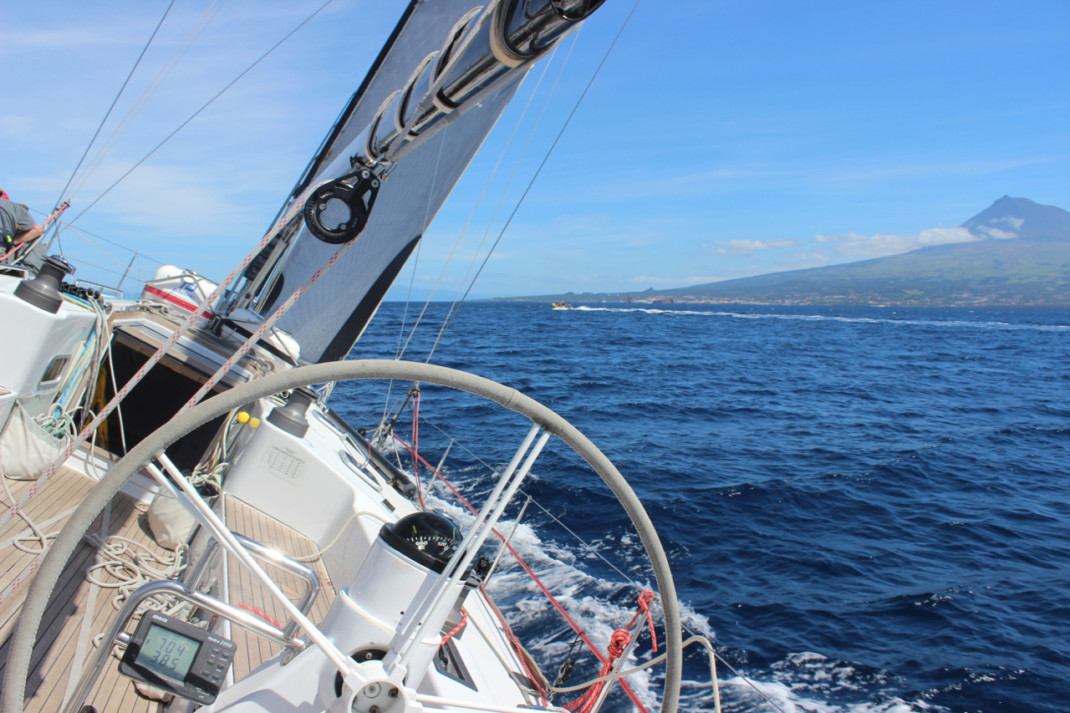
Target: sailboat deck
column 80, row 610
column 48, row 509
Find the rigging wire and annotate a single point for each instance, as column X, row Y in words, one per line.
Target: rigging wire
column 204, row 106
column 714, row 657
column 538, row 170
column 457, row 300
column 187, row 43
column 588, row 547
column 118, row 267
column 403, row 347
column 455, row 305
column 401, row 332
column 475, row 207
column 114, row 101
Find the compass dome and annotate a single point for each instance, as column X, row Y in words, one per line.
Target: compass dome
column 427, row 538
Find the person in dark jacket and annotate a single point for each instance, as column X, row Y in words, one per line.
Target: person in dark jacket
column 18, row 228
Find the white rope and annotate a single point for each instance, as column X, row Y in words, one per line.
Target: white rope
column 58, row 420
column 124, row 565
column 37, row 534
column 58, row 426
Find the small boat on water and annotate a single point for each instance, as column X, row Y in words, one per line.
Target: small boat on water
column 561, row 305
column 190, row 524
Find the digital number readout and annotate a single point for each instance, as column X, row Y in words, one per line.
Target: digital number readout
column 167, row 653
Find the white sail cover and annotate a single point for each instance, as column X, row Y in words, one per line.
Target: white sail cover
column 330, row 316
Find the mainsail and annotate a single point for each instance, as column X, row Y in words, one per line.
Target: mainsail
column 392, row 158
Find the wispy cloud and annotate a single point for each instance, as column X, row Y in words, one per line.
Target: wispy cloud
column 67, row 37
column 661, row 281
column 744, row 247
column 814, row 259
column 881, row 244
column 999, row 228
column 929, row 168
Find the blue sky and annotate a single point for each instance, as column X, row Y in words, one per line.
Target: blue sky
column 721, row 139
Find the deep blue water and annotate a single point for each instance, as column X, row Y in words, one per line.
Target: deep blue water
column 869, row 506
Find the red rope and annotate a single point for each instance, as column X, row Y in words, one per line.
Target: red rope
column 260, row 614
column 645, row 598
column 546, row 592
column 516, row 555
column 514, row 641
column 456, row 630
column 618, row 642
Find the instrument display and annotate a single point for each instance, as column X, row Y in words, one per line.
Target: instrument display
column 178, row 657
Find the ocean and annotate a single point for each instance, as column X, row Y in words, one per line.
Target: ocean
column 868, row 507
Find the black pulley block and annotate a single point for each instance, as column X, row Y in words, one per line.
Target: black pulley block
column 337, row 211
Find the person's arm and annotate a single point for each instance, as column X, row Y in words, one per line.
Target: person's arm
column 26, row 229
column 28, row 235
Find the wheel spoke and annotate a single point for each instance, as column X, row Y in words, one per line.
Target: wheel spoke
column 218, row 529
column 432, row 611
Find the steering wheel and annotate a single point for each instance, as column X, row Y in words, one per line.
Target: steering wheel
column 153, row 446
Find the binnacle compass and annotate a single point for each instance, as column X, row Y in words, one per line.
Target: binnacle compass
column 428, row 538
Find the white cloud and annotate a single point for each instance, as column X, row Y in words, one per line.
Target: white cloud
column 929, row 168
column 173, row 199
column 743, row 247
column 668, row 282
column 993, row 230
column 88, row 38
column 880, row 245
column 812, row 259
